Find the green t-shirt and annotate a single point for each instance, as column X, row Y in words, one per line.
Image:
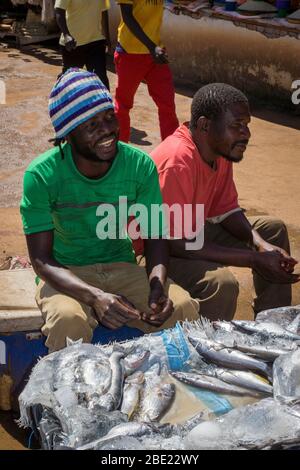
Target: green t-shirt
column 58, row 197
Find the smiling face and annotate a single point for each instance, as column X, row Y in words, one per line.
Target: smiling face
column 96, row 139
column 229, row 134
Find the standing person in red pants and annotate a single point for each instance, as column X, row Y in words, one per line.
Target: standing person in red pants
column 140, row 57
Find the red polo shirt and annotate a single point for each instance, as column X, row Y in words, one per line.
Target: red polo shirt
column 185, row 178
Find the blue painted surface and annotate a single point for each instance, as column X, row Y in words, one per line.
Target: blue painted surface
column 22, row 353
column 104, row 335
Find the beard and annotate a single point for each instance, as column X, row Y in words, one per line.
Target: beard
column 235, row 159
column 232, row 159
column 89, row 155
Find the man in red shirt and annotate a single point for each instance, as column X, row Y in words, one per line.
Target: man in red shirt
column 195, row 167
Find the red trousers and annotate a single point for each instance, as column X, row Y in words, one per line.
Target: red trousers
column 132, row 69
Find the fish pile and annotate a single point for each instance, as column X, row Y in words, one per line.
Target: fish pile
column 116, row 396
column 238, row 356
column 89, row 390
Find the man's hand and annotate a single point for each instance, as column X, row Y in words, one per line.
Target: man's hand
column 275, row 266
column 70, row 43
column 114, row 311
column 288, row 263
column 159, row 55
column 161, row 307
column 108, row 46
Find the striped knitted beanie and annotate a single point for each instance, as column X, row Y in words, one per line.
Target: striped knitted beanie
column 77, row 96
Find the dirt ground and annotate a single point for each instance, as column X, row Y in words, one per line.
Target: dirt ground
column 267, row 179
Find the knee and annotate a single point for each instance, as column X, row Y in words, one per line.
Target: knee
column 227, row 285
column 227, row 281
column 228, row 290
column 69, row 321
column 185, row 307
column 278, row 226
column 273, row 229
column 282, row 235
column 123, row 102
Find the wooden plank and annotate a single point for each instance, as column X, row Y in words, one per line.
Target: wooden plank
column 13, row 321
column 17, row 289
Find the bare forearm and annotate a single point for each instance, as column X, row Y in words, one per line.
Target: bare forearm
column 61, row 20
column 105, row 25
column 239, row 226
column 157, row 259
column 213, row 252
column 135, row 28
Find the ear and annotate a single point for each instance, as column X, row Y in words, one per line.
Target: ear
column 203, row 124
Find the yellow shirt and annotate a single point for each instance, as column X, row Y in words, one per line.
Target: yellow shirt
column 84, row 19
column 149, row 15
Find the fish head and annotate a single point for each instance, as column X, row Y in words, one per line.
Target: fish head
column 136, row 378
column 135, row 360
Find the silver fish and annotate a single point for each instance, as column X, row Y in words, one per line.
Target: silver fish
column 156, row 401
column 223, row 325
column 131, row 393
column 183, row 428
column 268, row 353
column 230, row 358
column 266, row 328
column 135, row 359
column 243, row 379
column 112, row 399
column 213, row 384
column 246, row 344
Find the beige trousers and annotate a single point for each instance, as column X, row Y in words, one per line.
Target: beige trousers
column 216, row 287
column 66, row 317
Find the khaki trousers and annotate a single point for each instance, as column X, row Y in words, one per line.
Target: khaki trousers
column 66, row 317
column 215, row 286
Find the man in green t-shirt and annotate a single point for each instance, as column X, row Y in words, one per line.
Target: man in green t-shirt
column 77, row 199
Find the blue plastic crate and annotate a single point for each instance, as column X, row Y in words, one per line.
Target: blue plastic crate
column 22, row 350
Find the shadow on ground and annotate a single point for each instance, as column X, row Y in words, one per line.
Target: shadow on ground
column 48, row 52
column 137, row 137
column 11, row 436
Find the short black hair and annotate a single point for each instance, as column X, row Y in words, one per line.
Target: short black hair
column 213, row 99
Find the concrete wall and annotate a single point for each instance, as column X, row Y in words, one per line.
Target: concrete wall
column 213, row 50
